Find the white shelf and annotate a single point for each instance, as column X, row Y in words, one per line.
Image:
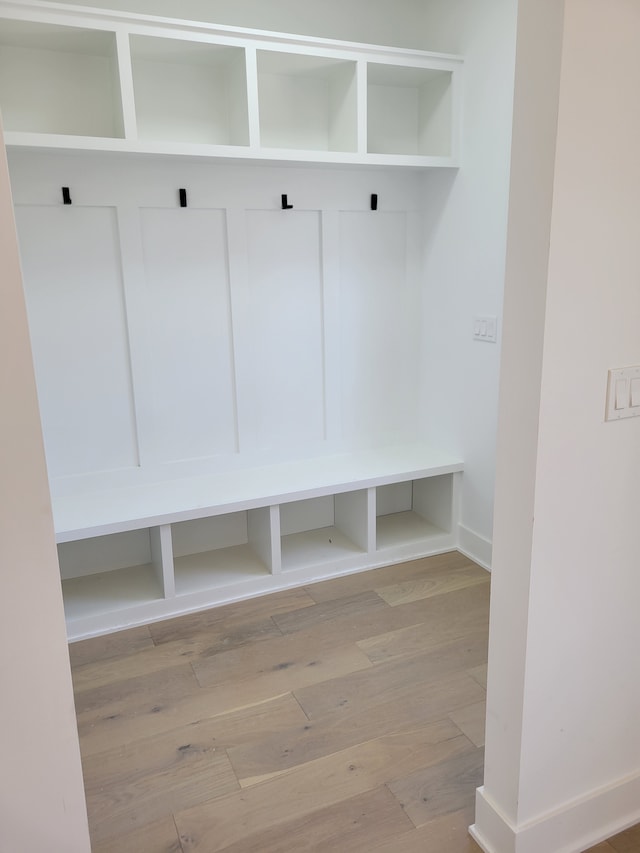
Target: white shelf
column 325, row 530
column 61, row 80
column 110, row 592
column 413, row 512
column 402, row 528
column 189, row 91
column 217, row 569
column 112, row 81
column 307, row 102
column 211, row 553
column 326, row 545
column 84, row 514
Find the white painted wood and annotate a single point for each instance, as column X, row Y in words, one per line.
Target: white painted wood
column 218, row 569
column 162, row 558
column 234, row 584
column 379, row 338
column 189, row 321
column 59, row 80
column 104, row 553
column 409, row 110
column 206, row 534
column 361, row 106
column 403, row 528
column 319, row 547
column 73, row 284
column 285, row 332
column 433, row 500
column 417, row 510
column 211, row 553
column 261, row 527
column 88, row 514
column 311, row 514
column 125, row 88
column 110, row 593
column 307, row 102
column 253, row 104
column 352, row 516
column 142, row 366
column 394, row 497
column 189, row 91
column 194, row 92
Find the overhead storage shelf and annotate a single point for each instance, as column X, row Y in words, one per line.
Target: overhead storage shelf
column 75, row 78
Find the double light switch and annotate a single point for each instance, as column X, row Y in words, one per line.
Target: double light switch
column 623, row 393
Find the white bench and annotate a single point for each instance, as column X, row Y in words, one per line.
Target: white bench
column 134, row 555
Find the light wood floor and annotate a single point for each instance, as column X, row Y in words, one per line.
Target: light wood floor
column 345, row 716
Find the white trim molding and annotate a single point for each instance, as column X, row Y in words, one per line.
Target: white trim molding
column 474, row 546
column 575, row 827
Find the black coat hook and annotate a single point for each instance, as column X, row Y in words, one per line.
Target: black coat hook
column 374, row 201
column 285, row 203
column 183, row 197
column 66, row 197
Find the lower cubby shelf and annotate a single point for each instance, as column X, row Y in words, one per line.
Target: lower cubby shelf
column 195, row 557
column 217, row 568
column 414, row 512
column 330, row 530
column 109, row 592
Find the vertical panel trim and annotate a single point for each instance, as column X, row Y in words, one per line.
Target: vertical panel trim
column 243, row 387
column 140, row 360
column 330, row 278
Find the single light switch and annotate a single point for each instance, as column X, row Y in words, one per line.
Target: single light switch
column 622, row 394
column 635, row 392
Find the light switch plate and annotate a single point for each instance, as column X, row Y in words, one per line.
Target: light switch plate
column 623, row 393
column 485, row 329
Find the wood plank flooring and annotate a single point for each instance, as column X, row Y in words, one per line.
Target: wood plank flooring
column 345, row 716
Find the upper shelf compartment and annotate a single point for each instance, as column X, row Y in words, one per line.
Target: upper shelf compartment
column 409, row 110
column 307, row 102
column 56, row 79
column 82, row 78
column 189, row 91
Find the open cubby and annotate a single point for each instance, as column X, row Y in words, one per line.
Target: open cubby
column 221, row 550
column 109, row 573
column 413, row 511
column 409, row 110
column 61, row 80
column 307, row 102
column 189, row 91
column 328, row 529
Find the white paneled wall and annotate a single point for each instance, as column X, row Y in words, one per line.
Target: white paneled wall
column 190, row 336
column 73, row 282
column 170, row 341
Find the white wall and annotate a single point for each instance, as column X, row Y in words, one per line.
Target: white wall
column 41, row 795
column 563, row 733
column 228, row 334
column 389, row 22
column 466, row 251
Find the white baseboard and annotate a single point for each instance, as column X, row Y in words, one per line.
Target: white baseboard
column 474, row 546
column 573, row 828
